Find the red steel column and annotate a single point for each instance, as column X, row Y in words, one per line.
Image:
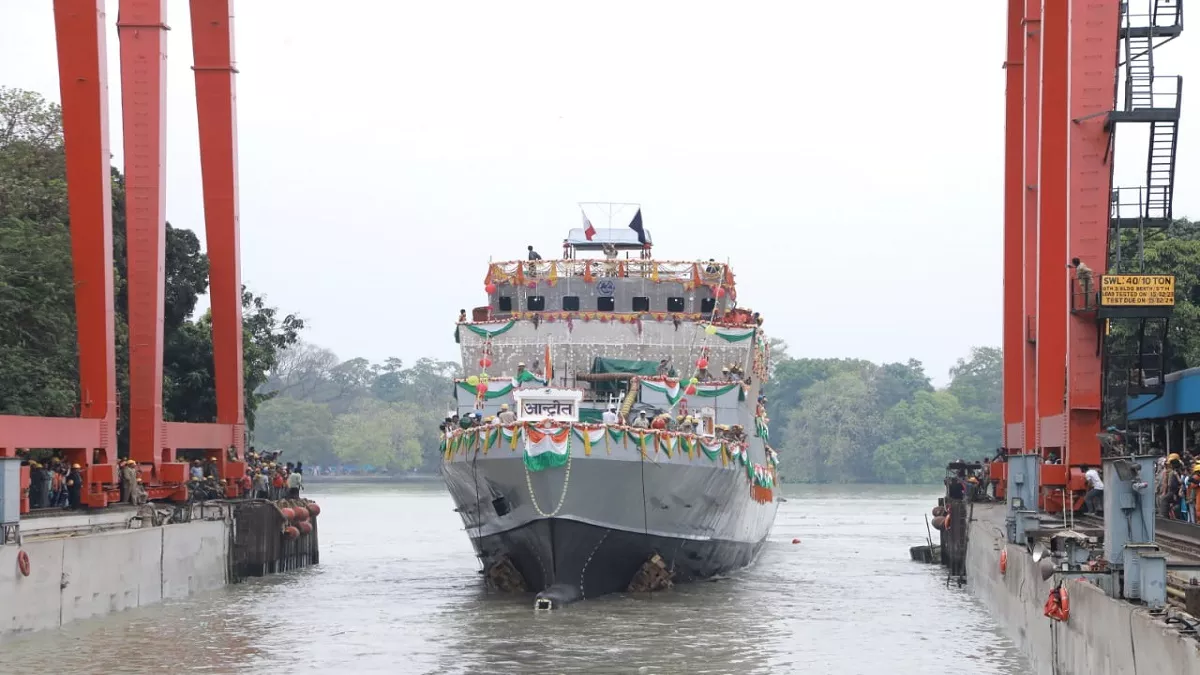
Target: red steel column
column 212, row 45
column 82, row 73
column 1093, row 55
column 1029, row 220
column 141, row 26
column 1014, row 319
column 1053, row 290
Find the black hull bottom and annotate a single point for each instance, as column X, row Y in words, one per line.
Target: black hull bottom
column 597, row 560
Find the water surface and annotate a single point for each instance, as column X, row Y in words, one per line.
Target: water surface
column 398, row 591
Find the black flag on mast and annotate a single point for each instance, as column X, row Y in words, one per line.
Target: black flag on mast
column 636, row 226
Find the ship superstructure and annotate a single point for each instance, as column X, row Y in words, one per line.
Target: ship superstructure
column 611, row 435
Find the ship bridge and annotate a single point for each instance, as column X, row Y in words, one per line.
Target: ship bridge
column 569, row 320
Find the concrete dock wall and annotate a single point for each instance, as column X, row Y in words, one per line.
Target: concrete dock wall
column 1103, row 636
column 84, row 576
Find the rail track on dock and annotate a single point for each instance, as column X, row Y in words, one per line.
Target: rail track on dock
column 1177, row 538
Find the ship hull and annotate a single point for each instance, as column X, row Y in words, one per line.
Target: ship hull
column 598, row 560
column 592, row 523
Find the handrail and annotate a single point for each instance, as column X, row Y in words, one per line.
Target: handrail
column 706, row 273
column 738, row 318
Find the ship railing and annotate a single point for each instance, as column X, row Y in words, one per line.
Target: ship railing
column 734, row 318
column 727, row 440
column 697, row 273
column 730, row 448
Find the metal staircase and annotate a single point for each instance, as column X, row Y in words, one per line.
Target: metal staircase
column 1152, row 99
column 1135, row 342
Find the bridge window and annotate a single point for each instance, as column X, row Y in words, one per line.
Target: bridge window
column 674, row 304
column 570, row 303
column 707, row 305
column 641, row 304
column 505, row 303
column 606, row 303
column 535, row 303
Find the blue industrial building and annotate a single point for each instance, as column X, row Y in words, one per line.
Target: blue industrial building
column 1180, row 399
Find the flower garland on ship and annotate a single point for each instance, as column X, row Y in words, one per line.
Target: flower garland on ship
column 547, row 445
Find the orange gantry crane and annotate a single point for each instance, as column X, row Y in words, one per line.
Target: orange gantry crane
column 90, row 439
column 1066, row 63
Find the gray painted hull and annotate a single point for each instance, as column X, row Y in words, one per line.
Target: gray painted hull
column 593, row 522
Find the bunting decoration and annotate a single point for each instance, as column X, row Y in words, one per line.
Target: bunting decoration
column 712, row 448
column 590, row 437
column 526, row 376
column 668, row 388
column 735, row 334
column 668, row 443
column 549, row 447
column 511, row 435
column 501, row 390
column 761, row 430
column 486, row 333
column 546, row 449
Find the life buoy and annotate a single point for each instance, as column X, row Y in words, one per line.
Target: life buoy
column 23, row 563
column 1003, row 560
column 1058, row 605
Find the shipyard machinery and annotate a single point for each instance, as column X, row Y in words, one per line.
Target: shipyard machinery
column 90, row 439
column 1078, row 343
column 1130, row 565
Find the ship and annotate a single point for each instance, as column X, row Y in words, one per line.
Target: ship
column 611, row 435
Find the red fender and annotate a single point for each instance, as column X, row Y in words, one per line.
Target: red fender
column 1003, row 560
column 23, row 563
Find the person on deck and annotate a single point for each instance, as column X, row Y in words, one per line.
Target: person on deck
column 641, row 422
column 533, row 255
column 129, row 476
column 37, row 486
column 1084, row 274
column 1093, row 501
column 294, row 480
column 277, row 485
column 74, row 488
column 506, row 416
column 47, row 486
column 610, row 416
column 260, row 484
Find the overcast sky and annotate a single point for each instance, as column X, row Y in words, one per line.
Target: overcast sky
column 849, row 165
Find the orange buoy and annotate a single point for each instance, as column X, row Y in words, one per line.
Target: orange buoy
column 1003, row 560
column 795, row 541
column 289, row 513
column 301, row 513
column 305, row 527
column 291, row 532
column 314, row 509
column 23, row 563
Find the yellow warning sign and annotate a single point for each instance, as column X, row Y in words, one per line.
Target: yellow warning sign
column 1137, row 290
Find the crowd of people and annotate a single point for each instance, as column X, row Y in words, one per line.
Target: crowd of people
column 1178, row 481
column 56, row 483
column 266, row 478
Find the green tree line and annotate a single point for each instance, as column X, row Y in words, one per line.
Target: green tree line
column 851, row 420
column 325, row 411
